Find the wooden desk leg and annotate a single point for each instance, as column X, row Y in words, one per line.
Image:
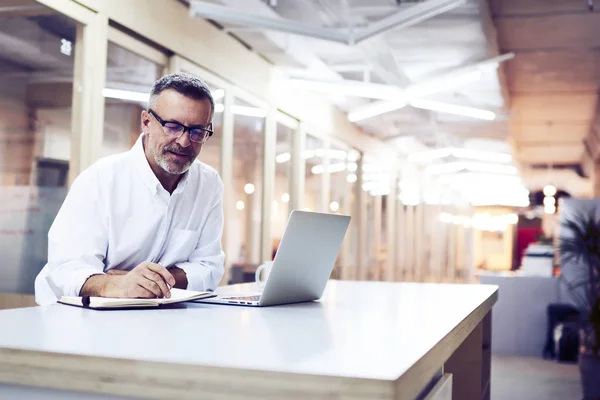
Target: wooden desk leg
column 486, row 367
column 470, row 364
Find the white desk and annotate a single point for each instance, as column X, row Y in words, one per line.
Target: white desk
column 362, row 340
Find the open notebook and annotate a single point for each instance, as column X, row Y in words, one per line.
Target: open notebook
column 109, row 303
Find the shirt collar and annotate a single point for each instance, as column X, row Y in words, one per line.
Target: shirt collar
column 148, row 176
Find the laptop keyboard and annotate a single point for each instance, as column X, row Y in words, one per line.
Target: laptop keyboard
column 244, row 298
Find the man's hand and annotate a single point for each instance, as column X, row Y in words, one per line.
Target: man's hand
column 116, row 272
column 147, row 280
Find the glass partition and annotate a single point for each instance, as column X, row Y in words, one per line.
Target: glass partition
column 245, row 205
column 340, row 168
column 211, row 150
column 313, row 187
column 129, row 78
column 36, row 85
column 283, row 171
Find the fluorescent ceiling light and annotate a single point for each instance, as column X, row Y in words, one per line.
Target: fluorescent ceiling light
column 145, row 97
column 453, row 109
column 306, row 154
column 480, row 155
column 353, row 155
column 373, row 168
column 492, row 168
column 409, row 199
column 374, row 176
column 368, row 186
column 471, row 166
column 446, row 168
column 485, row 221
column 472, row 154
column 283, row 157
column 375, row 108
column 320, row 168
column 218, row 94
column 337, row 154
column 430, row 155
column 379, row 192
column 479, row 179
column 497, row 201
column 349, row 88
column 492, row 63
column 249, row 111
column 443, row 84
column 429, row 87
column 243, row 110
column 126, row 95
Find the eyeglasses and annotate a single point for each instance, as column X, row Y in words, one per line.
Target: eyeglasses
column 175, row 129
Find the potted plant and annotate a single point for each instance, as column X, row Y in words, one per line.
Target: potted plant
column 579, row 247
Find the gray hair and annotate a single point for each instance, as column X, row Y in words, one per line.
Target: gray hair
column 186, row 84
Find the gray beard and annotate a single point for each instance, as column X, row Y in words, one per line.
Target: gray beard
column 161, row 160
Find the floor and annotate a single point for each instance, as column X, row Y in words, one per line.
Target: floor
column 531, row 378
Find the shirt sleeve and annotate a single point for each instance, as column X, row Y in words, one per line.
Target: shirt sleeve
column 78, row 239
column 205, row 268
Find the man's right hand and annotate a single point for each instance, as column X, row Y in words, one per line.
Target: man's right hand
column 147, row 280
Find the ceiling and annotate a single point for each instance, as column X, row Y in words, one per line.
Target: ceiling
column 445, row 45
column 398, row 57
column 544, row 98
column 553, row 80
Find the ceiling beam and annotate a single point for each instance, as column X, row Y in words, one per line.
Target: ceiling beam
column 491, row 35
column 462, row 130
column 443, row 83
column 233, row 16
column 401, row 19
column 405, row 18
column 357, row 67
column 350, row 88
column 392, row 92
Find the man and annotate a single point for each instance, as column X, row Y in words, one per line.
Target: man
column 138, row 223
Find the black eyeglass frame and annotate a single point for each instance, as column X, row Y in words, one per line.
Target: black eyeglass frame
column 190, row 129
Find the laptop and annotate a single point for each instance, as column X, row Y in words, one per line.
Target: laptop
column 303, row 263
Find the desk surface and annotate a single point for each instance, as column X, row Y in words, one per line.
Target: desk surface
column 364, row 330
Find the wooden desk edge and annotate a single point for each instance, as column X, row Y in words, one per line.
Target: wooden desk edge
column 157, row 380
column 411, row 383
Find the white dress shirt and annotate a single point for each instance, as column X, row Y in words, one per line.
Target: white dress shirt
column 117, row 215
